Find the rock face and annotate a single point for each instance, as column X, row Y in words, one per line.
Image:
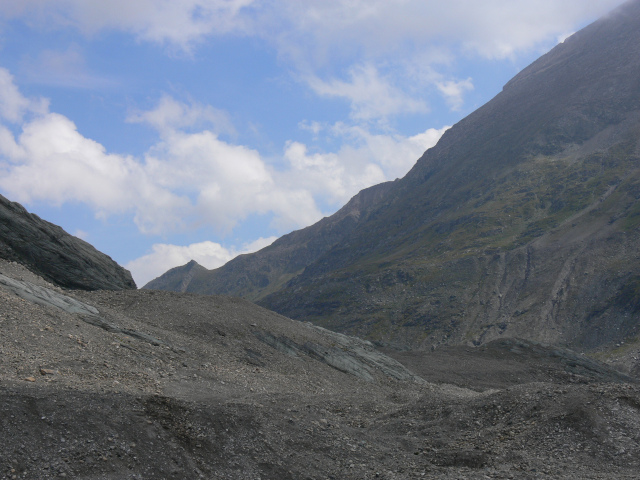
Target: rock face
column 522, row 221
column 49, row 251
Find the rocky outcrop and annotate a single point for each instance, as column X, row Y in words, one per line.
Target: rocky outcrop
column 346, row 354
column 49, row 251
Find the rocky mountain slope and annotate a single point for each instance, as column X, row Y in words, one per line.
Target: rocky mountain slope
column 49, row 251
column 161, row 385
column 522, row 221
column 256, row 275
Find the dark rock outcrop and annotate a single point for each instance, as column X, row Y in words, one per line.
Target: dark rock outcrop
column 52, row 253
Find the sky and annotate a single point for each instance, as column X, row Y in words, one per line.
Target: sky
column 162, row 131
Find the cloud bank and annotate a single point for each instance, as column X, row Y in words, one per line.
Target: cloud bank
column 357, row 50
column 189, row 177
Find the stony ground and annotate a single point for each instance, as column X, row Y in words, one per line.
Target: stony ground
column 187, row 387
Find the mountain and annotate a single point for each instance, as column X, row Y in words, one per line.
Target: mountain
column 52, row 253
column 125, row 383
column 523, row 221
column 177, row 279
column 254, row 276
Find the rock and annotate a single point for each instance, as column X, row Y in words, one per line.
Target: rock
column 89, row 314
column 52, row 253
column 30, row 379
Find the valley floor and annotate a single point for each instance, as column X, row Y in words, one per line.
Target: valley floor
column 160, row 385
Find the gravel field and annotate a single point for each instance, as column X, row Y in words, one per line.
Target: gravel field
column 161, row 385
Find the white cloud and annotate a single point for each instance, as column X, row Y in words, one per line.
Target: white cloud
column 185, row 180
column 208, row 254
column 190, row 177
column 176, row 23
column 170, row 115
column 371, row 96
column 453, row 91
column 364, row 159
column 52, row 161
column 363, row 37
column 13, row 105
column 370, row 28
column 321, row 29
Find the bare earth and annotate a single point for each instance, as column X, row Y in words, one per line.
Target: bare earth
column 161, row 385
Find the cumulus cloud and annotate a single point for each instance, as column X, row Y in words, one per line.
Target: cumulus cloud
column 190, row 177
column 364, row 159
column 208, row 254
column 185, row 179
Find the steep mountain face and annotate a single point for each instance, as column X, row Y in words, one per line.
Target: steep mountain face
column 49, row 251
column 522, row 221
column 256, row 275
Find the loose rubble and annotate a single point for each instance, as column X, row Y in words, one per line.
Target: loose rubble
column 217, row 397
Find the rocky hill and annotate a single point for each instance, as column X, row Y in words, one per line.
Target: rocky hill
column 52, row 253
column 522, row 221
column 144, row 384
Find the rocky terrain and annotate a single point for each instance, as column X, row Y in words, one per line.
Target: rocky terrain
column 508, row 255
column 161, row 385
column 523, row 221
column 57, row 256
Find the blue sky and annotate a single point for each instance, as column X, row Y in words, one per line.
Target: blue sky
column 167, row 130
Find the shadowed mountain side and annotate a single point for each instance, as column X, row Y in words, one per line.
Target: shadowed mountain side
column 522, row 221
column 49, row 251
column 255, row 275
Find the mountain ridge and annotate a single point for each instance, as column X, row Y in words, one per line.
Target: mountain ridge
column 277, row 263
column 49, row 251
column 521, row 221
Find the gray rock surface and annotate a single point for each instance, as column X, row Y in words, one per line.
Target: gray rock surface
column 49, row 251
column 211, row 400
